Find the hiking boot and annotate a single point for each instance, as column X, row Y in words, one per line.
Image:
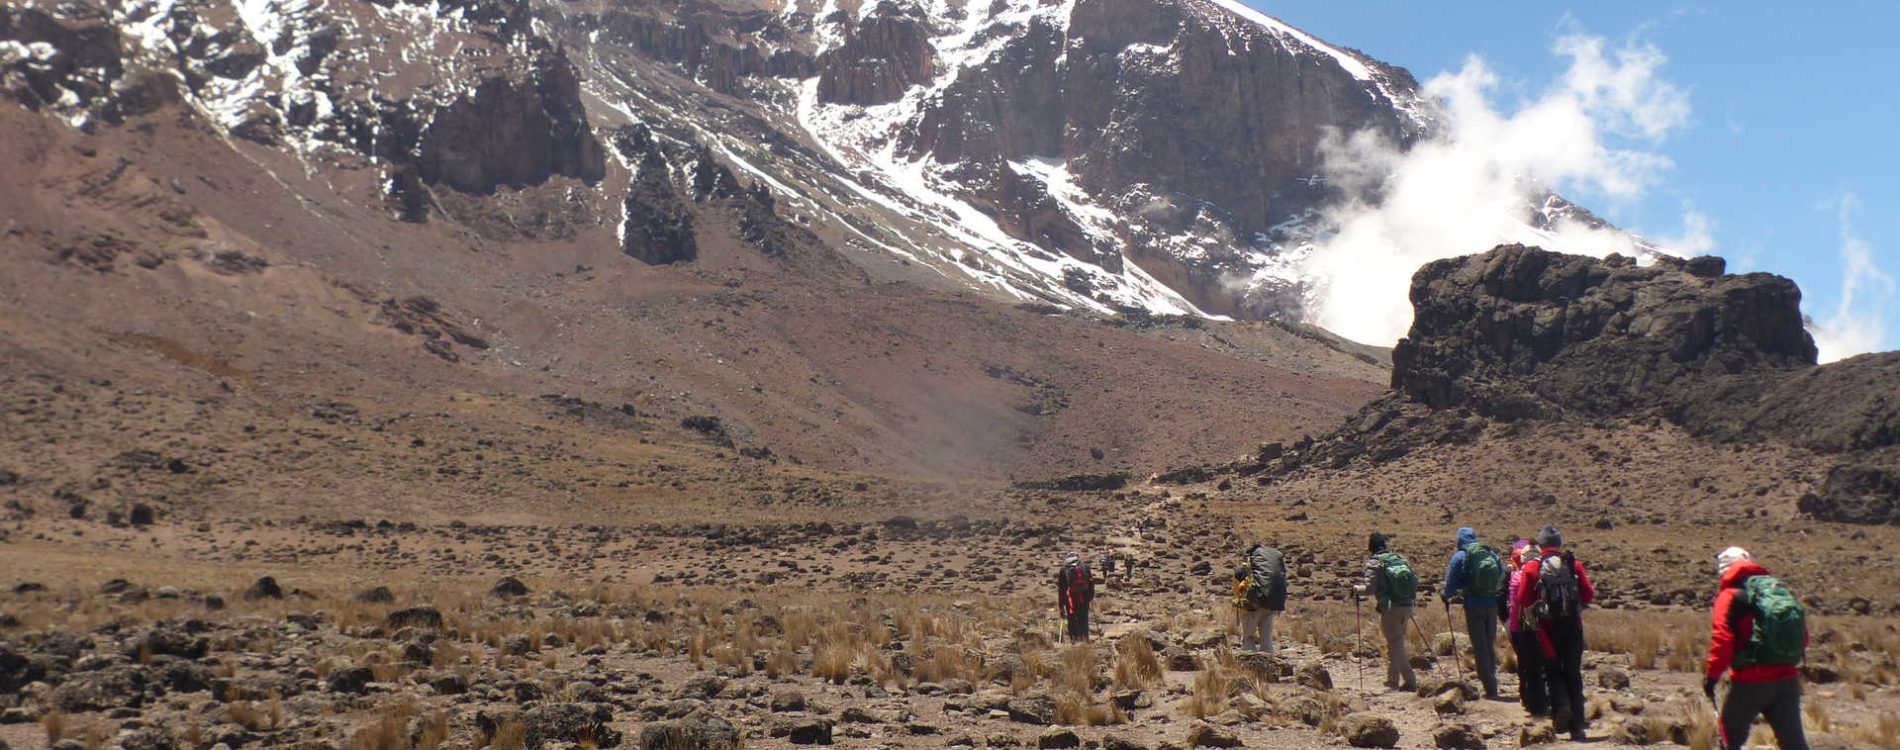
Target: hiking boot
column 1576, row 735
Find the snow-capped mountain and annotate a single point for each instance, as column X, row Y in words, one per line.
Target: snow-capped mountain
column 1089, row 154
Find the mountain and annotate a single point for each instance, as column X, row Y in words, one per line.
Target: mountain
column 471, row 253
column 1093, row 154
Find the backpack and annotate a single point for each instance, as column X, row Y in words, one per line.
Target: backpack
column 1780, row 634
column 1081, row 583
column 1484, row 572
column 1401, row 583
column 1557, row 586
column 1266, row 574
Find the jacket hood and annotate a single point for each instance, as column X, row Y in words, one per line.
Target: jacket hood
column 1466, row 536
column 1742, row 571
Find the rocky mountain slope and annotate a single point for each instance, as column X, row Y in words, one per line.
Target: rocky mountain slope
column 1093, row 154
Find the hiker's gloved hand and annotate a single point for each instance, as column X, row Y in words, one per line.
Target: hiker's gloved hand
column 1708, row 687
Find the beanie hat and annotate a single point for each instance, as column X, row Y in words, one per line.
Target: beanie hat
column 1375, row 543
column 1730, row 557
column 1550, row 537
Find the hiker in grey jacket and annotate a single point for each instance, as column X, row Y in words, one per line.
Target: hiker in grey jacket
column 1395, row 610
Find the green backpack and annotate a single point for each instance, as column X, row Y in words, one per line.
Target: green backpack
column 1401, row 584
column 1484, row 572
column 1780, row 634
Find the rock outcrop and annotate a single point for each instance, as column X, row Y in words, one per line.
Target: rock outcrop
column 1522, row 332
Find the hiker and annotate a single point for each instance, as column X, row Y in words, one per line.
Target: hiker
column 1259, row 596
column 1527, row 643
column 1554, row 593
column 1476, row 574
column 1075, row 588
column 1393, row 585
column 1758, row 636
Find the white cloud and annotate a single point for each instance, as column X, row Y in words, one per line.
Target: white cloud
column 1479, row 181
column 1696, row 238
column 1857, row 324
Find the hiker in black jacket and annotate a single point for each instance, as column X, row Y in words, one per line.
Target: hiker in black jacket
column 1259, row 596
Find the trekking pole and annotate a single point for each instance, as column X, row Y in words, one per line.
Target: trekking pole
column 1359, row 638
column 1721, row 735
column 1457, row 669
column 1425, row 645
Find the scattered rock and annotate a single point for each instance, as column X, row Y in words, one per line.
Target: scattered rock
column 1058, row 739
column 1449, row 703
column 1202, row 734
column 1611, row 678
column 1537, row 733
column 787, row 699
column 1121, row 742
column 264, row 588
column 1457, row 736
column 350, row 680
column 414, row 617
column 377, row 595
column 508, row 587
column 109, row 688
column 1313, row 674
column 1034, row 708
column 1366, row 729
column 809, row 732
column 695, row 732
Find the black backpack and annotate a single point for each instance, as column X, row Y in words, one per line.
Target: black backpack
column 1557, row 585
column 1267, row 567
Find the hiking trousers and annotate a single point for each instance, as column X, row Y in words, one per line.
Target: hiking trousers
column 1398, row 664
column 1533, row 690
column 1780, row 701
column 1079, row 622
column 1481, row 623
column 1564, row 675
column 1256, row 630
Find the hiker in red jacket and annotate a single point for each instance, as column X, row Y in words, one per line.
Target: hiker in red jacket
column 1075, row 590
column 1763, row 668
column 1553, row 595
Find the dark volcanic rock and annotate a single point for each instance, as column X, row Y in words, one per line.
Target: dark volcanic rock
column 697, row 731
column 1524, row 332
column 885, row 53
column 514, row 131
column 1866, row 492
column 583, row 723
column 264, row 588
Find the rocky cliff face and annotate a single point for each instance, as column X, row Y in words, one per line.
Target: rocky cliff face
column 1521, row 331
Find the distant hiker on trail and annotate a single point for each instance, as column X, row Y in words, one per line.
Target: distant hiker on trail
column 1758, row 636
column 1259, row 596
column 1554, row 593
column 1075, row 589
column 1391, row 582
column 1113, row 558
column 1532, row 647
column 1477, row 574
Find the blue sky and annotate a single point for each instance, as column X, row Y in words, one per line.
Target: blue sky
column 1794, row 111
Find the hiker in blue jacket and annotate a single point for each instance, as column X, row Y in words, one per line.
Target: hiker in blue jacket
column 1476, row 573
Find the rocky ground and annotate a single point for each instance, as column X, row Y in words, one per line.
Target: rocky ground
column 905, row 632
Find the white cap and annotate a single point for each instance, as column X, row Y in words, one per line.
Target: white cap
column 1729, row 557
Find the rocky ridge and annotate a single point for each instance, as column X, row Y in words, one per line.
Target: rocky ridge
column 1521, row 334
